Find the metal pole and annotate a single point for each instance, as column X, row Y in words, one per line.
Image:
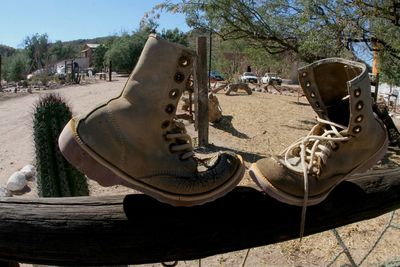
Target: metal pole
column 209, row 62
column 376, row 87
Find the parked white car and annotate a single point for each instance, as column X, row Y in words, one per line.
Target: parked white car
column 248, row 77
column 271, row 78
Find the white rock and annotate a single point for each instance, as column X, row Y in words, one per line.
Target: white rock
column 16, row 182
column 28, row 170
column 4, row 192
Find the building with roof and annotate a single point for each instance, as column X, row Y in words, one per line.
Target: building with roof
column 89, row 51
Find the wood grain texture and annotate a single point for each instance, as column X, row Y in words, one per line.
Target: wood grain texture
column 201, row 90
column 133, row 229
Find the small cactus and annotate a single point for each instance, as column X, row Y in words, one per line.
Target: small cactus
column 55, row 176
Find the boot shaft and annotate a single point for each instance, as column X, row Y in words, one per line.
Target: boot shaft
column 339, row 91
column 162, row 71
column 131, row 129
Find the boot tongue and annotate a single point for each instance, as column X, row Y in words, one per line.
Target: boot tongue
column 295, row 158
column 340, row 112
column 178, row 127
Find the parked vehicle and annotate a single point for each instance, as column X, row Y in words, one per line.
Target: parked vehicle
column 248, row 77
column 271, row 78
column 216, row 76
column 39, row 72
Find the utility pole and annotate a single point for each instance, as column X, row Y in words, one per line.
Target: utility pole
column 375, row 71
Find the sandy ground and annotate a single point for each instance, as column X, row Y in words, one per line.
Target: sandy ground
column 254, row 126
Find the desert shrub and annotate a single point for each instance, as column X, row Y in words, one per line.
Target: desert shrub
column 16, row 67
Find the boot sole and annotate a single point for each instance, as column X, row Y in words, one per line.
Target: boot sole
column 98, row 169
column 284, row 197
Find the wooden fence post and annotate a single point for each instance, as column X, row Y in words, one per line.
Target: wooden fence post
column 201, row 91
column 0, row 75
column 110, row 71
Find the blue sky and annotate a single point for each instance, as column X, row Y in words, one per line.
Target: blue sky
column 76, row 19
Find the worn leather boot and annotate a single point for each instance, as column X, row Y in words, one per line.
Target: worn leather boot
column 134, row 139
column 348, row 139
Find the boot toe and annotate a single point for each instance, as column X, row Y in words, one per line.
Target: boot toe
column 274, row 175
column 201, row 187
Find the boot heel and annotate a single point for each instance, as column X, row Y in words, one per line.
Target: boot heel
column 78, row 157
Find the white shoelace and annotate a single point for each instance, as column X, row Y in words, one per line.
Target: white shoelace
column 184, row 142
column 311, row 149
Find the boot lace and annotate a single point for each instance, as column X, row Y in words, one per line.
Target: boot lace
column 313, row 150
column 182, row 141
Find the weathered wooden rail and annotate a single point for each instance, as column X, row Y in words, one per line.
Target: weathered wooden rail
column 136, row 229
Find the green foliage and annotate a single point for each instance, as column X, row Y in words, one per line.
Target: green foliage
column 389, row 68
column 263, row 62
column 99, row 57
column 6, row 51
column 306, row 30
column 175, row 36
column 55, row 176
column 37, row 48
column 228, row 57
column 125, row 51
column 61, row 51
column 15, row 67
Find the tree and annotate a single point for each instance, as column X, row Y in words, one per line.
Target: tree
column 125, row 51
column 60, row 51
column 228, row 57
column 6, row 51
column 37, row 47
column 175, row 36
column 99, row 57
column 16, row 67
column 310, row 30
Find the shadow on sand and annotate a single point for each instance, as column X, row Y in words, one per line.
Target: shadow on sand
column 225, row 124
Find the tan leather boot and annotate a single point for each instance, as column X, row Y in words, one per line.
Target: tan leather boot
column 134, row 140
column 348, row 139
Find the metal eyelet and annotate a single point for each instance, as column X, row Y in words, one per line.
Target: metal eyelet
column 165, row 124
column 359, row 105
column 312, row 94
column 357, row 129
column 317, row 104
column 304, row 74
column 179, row 77
column 308, row 84
column 174, row 93
column 170, row 109
column 359, row 118
column 184, row 61
column 357, row 92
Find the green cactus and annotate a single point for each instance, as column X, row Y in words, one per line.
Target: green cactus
column 55, row 176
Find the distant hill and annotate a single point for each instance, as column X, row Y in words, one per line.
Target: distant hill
column 79, row 43
column 6, row 51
